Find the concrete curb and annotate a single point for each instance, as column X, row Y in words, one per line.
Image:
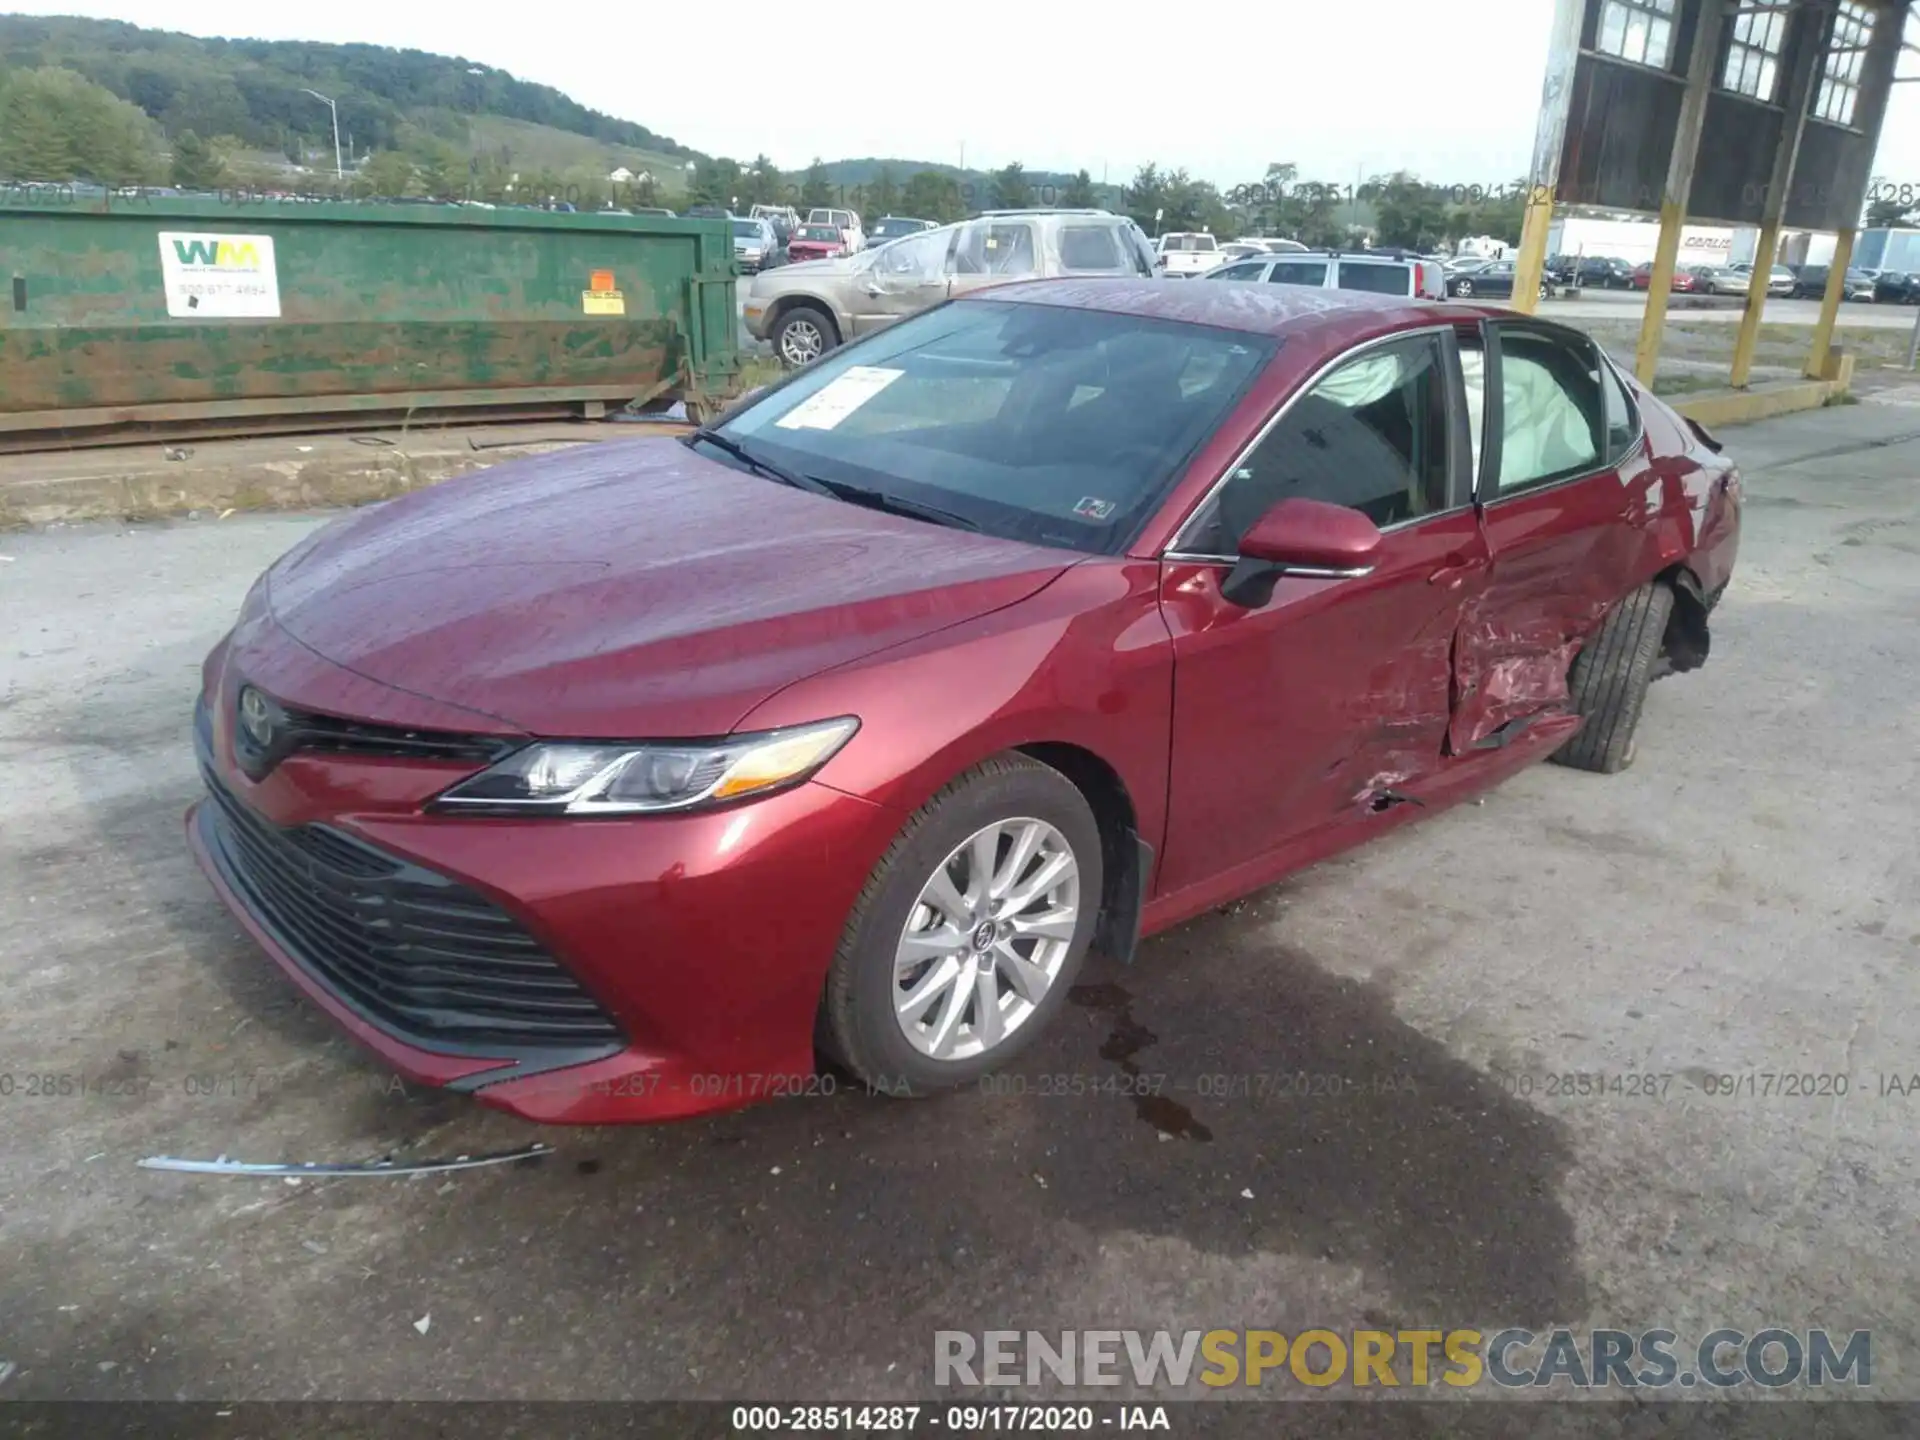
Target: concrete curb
column 282, row 472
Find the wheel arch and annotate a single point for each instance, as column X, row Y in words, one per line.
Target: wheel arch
column 1126, row 858
column 1687, row 640
column 786, row 304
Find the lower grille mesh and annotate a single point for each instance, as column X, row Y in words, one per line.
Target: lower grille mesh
column 422, row 956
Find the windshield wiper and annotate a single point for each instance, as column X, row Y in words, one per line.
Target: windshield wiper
column 763, row 467
column 838, row 489
column 897, row 505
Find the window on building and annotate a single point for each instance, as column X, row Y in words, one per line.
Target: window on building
column 1753, row 55
column 1637, row 30
column 1846, row 59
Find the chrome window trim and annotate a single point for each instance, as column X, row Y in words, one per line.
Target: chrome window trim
column 1305, row 572
column 1173, row 550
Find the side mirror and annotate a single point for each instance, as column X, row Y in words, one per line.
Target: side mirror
column 1310, row 538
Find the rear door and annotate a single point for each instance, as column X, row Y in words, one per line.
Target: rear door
column 992, row 251
column 1567, row 500
column 1306, row 710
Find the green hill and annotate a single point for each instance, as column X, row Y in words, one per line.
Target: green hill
column 252, row 92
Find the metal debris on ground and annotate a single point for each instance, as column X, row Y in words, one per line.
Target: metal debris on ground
column 386, row 1165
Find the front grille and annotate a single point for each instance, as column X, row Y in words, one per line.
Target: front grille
column 417, row 953
column 329, row 734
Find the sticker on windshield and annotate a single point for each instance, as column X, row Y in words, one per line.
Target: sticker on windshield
column 833, row 402
column 1093, row 507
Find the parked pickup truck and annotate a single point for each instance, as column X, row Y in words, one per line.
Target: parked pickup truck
column 1184, row 254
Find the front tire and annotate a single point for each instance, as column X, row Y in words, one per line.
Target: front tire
column 1609, row 680
column 1463, row 289
column 803, row 335
column 966, row 937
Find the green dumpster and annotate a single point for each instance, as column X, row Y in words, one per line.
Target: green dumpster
column 130, row 316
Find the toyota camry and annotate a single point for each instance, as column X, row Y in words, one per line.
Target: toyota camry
column 658, row 776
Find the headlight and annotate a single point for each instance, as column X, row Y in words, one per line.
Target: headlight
column 557, row 778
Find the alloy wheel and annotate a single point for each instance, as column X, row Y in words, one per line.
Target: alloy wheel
column 801, row 342
column 986, row 938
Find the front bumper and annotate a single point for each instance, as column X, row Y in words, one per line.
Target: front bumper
column 691, row 949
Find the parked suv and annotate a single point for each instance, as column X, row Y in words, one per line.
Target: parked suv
column 1330, row 270
column 808, row 309
column 847, row 222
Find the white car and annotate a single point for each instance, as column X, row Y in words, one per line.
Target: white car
column 1184, row 253
column 847, row 222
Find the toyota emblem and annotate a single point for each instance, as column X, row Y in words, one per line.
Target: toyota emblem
column 256, row 718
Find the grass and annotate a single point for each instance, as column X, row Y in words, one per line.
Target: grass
column 537, row 147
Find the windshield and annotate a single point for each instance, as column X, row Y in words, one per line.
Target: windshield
column 1047, row 424
column 746, row 229
column 819, row 232
column 897, row 227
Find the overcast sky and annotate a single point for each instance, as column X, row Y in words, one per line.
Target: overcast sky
column 1341, row 89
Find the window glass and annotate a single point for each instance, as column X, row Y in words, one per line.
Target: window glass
column 996, row 247
column 1371, row 436
column 1375, row 278
column 1623, row 420
column 1473, row 377
column 1245, row 270
column 1091, row 247
column 1299, row 272
column 1043, row 423
column 1753, row 54
column 1845, row 60
column 1551, row 412
column 1637, row 30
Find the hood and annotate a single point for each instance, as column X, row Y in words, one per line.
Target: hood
column 800, row 270
column 630, row 589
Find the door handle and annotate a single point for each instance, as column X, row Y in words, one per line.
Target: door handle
column 1455, row 571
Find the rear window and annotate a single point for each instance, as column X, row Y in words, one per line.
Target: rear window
column 1376, row 278
column 1188, row 242
column 1092, row 247
column 1299, row 272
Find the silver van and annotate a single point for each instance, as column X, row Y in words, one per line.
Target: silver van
column 1334, row 270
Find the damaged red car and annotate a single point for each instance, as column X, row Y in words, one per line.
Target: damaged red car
column 633, row 781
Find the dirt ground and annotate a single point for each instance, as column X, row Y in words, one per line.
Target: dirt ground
column 1744, row 902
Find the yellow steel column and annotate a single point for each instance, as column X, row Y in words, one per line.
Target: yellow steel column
column 1666, row 254
column 1679, row 187
column 1763, row 253
column 1830, row 307
column 1530, row 265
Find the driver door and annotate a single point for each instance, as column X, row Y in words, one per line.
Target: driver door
column 1319, row 706
column 899, row 280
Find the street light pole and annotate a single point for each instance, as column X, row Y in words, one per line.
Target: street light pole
column 339, row 170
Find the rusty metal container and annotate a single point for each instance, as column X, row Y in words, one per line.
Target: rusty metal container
column 130, row 316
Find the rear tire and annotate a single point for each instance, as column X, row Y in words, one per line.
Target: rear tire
column 1609, row 680
column 868, row 1022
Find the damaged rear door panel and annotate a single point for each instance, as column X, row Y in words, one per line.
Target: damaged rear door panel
column 1573, row 515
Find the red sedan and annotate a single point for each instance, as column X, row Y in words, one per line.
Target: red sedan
column 603, row 784
column 816, row 242
column 1685, row 281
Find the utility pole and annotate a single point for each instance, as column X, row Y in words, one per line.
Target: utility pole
column 339, row 170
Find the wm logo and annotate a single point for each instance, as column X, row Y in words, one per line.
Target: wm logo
column 220, row 253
